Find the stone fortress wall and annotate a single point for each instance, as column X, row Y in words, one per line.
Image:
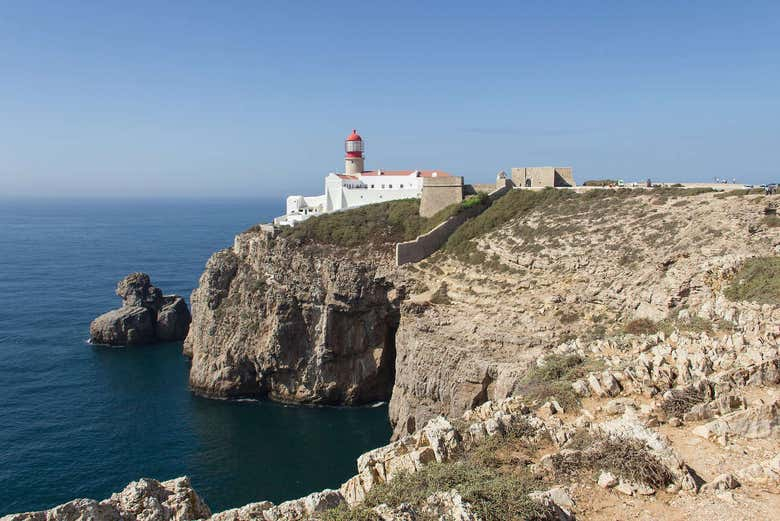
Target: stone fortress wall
column 439, row 193
column 542, row 176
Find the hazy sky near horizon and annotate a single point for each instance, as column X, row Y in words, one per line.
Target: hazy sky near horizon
column 246, row 98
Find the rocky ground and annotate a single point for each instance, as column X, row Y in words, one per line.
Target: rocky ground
column 603, row 356
column 578, row 267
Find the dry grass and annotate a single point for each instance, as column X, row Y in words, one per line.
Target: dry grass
column 758, row 280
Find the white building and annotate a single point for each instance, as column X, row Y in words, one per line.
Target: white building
column 356, row 187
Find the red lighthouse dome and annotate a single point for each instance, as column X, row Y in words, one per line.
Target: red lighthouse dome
column 353, row 145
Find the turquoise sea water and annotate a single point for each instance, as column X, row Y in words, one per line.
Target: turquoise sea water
column 83, row 421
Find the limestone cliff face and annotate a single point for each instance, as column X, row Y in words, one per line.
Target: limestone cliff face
column 296, row 323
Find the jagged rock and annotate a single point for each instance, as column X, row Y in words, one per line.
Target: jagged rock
column 145, row 499
column 618, row 406
column 136, row 290
column 304, row 507
column 761, row 421
column 557, row 500
column 674, row 421
column 721, row 483
column 173, row 319
column 403, row 512
column 438, row 440
column 129, row 325
column 450, row 506
column 763, row 472
column 250, row 512
column 607, row 480
column 146, row 316
column 630, row 488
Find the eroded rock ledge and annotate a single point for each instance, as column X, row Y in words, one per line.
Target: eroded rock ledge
column 146, row 499
column 308, row 324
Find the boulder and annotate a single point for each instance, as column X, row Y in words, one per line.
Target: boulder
column 761, row 421
column 129, row 325
column 136, row 290
column 173, row 319
column 146, row 316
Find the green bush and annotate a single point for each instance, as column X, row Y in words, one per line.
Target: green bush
column 771, row 221
column 381, row 223
column 739, row 193
column 494, row 495
column 480, row 199
column 600, row 182
column 375, row 224
column 511, row 205
column 758, row 280
column 553, row 379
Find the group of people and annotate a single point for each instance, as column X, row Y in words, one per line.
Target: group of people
column 770, row 189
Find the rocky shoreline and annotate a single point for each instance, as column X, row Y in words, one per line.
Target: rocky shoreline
column 570, row 340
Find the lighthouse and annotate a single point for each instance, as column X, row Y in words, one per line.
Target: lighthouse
column 357, row 186
column 353, row 160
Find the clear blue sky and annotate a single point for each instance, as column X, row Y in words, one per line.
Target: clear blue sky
column 255, row 98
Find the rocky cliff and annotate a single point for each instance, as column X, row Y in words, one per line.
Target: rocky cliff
column 325, row 324
column 293, row 322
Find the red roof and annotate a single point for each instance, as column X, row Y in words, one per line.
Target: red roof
column 344, row 176
column 422, row 173
column 354, row 136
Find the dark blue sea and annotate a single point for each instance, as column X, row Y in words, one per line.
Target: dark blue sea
column 82, row 421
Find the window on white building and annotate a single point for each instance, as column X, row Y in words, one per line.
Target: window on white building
column 390, row 186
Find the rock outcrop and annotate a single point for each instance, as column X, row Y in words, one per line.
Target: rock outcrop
column 146, row 316
column 309, row 324
column 145, row 499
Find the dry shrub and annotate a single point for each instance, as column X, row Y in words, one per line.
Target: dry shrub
column 681, row 401
column 641, row 326
column 629, row 459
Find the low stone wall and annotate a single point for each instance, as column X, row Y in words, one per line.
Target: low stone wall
column 424, row 245
column 427, row 243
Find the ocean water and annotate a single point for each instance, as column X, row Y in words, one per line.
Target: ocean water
column 82, row 421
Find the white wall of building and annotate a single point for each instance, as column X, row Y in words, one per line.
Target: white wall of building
column 343, row 193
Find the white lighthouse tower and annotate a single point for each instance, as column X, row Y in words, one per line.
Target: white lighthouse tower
column 353, row 161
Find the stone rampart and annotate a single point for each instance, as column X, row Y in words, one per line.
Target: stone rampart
column 424, row 245
column 439, row 193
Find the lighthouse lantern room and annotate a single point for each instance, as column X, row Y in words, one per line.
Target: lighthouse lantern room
column 354, row 161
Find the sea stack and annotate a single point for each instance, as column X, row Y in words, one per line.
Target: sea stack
column 146, row 316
